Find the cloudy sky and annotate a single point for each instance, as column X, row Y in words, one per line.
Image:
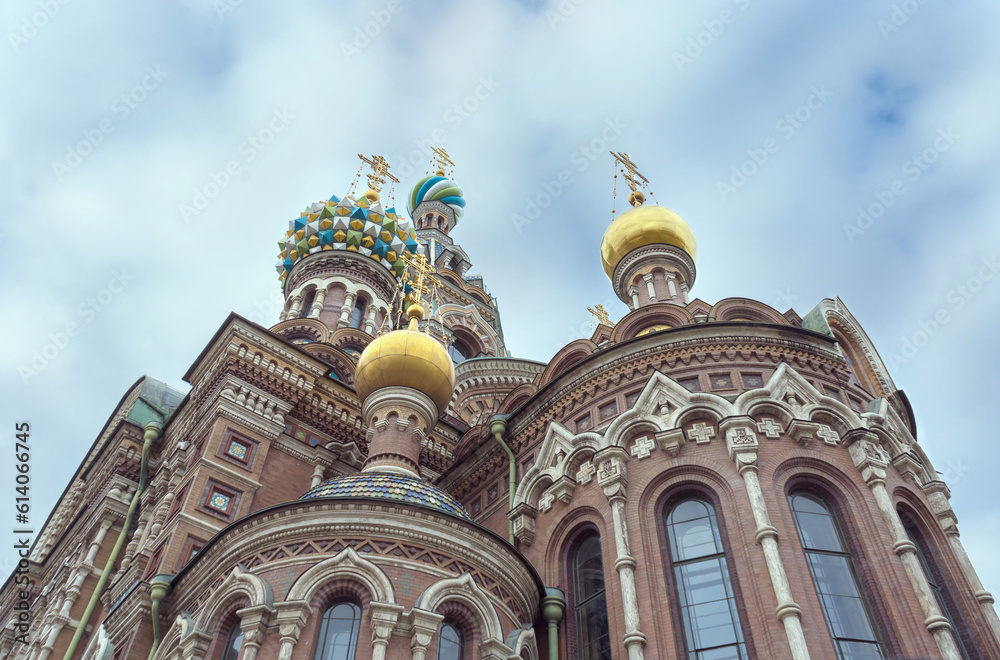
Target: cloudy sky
column 152, row 155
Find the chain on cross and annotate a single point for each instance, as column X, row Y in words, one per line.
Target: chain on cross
column 602, row 315
column 380, row 171
column 422, row 270
column 442, row 159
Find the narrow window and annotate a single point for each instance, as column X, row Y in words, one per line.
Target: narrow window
column 937, row 585
column 458, row 352
column 705, row 594
column 234, row 642
column 358, row 313
column 307, row 303
column 451, row 642
column 848, row 617
column 338, row 632
column 590, row 601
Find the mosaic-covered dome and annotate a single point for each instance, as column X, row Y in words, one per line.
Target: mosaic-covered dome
column 359, row 225
column 391, row 487
column 437, row 188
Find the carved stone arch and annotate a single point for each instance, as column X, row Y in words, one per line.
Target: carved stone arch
column 310, row 328
column 523, row 643
column 834, row 418
column 766, row 406
column 550, row 466
column 630, row 424
column 516, row 397
column 463, row 589
column 650, row 316
column 568, row 355
column 240, row 582
column 169, row 648
column 350, row 337
column 746, row 309
column 346, row 565
column 342, row 364
column 468, row 318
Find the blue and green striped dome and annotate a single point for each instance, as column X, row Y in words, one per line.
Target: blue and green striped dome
column 437, row 188
column 390, row 487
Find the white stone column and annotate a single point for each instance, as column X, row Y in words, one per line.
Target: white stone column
column 317, row 476
column 423, row 626
column 633, row 293
column 285, row 310
column 317, row 305
column 648, row 277
column 612, row 478
column 370, row 319
column 291, row 617
column 384, row 617
column 672, row 284
column 294, row 307
column 345, row 311
column 869, row 458
column 741, row 443
column 253, row 623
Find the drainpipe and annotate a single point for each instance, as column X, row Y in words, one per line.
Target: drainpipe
column 152, row 434
column 553, row 606
column 498, row 424
column 159, row 587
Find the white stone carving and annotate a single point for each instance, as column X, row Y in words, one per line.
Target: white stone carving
column 586, row 472
column 827, row 435
column 642, row 447
column 770, row 428
column 701, row 433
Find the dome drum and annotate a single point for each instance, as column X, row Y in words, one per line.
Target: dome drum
column 645, row 257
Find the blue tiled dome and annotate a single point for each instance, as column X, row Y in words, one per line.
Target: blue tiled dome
column 391, row 487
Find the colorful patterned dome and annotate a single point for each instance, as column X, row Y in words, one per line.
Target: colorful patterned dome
column 356, row 225
column 437, row 188
column 391, row 487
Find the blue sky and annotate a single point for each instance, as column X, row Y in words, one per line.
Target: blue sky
column 117, row 116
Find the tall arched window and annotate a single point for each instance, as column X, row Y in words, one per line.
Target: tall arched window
column 451, row 642
column 704, row 591
column 937, row 585
column 307, row 303
column 848, row 616
column 590, row 603
column 234, row 642
column 338, row 632
column 358, row 313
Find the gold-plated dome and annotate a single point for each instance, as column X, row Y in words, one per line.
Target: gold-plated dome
column 644, row 225
column 407, row 358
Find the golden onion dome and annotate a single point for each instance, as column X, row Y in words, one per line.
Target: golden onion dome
column 644, row 225
column 407, row 358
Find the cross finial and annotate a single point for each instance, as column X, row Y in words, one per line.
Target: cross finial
column 602, row 315
column 422, row 269
column 442, row 159
column 632, row 176
column 380, row 171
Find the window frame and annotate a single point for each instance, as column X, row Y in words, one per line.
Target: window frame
column 572, row 628
column 462, row 636
column 320, row 645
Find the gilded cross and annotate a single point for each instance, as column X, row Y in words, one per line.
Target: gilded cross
column 631, row 173
column 441, row 156
column 380, row 171
column 602, row 315
column 421, row 271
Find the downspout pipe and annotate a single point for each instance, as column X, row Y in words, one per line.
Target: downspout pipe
column 498, row 425
column 553, row 607
column 151, row 435
column 159, row 588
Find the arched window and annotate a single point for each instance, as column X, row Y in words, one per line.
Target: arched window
column 234, row 642
column 855, row 635
column 458, row 352
column 937, row 585
column 358, row 313
column 338, row 632
column 451, row 642
column 307, row 303
column 704, row 591
column 590, row 603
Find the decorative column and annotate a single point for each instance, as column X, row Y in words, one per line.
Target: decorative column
column 553, row 607
column 611, row 477
column 648, row 278
column 317, row 477
column 293, row 308
column 423, row 626
column 346, row 309
column 317, row 305
column 253, row 623
column 370, row 319
column 195, row 645
column 869, row 458
column 285, row 310
column 633, row 294
column 741, row 443
column 291, row 617
column 384, row 617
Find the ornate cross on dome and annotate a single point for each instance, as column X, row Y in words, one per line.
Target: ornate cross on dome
column 422, row 269
column 602, row 315
column 442, row 159
column 632, row 176
column 380, row 171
